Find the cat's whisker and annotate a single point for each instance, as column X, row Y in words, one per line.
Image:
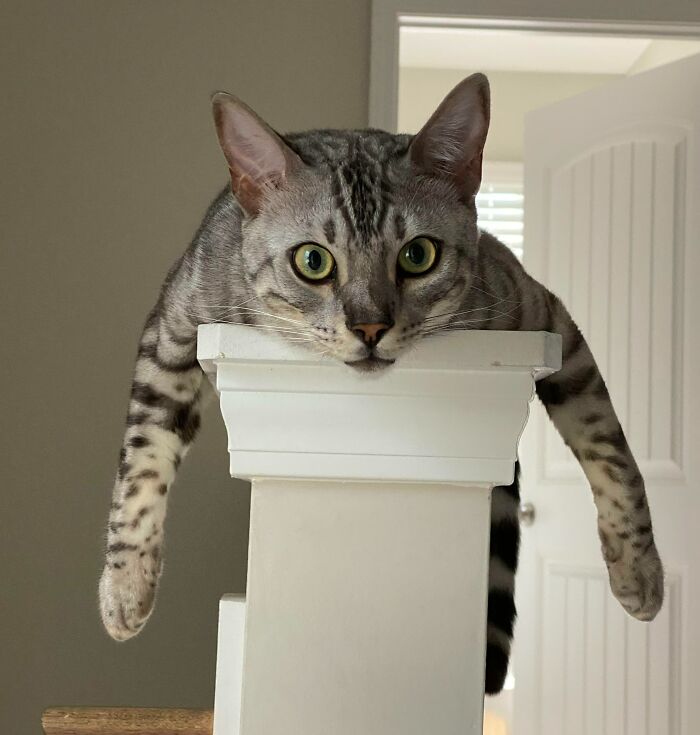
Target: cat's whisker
column 503, row 300
column 486, row 293
column 232, row 306
column 497, row 312
column 227, row 308
column 217, row 307
column 493, row 295
column 450, row 316
column 454, row 324
column 457, row 325
column 267, row 313
column 475, row 309
column 483, row 280
column 268, row 327
column 467, row 311
column 276, row 327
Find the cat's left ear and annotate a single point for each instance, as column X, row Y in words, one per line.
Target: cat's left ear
column 259, row 160
column 451, row 143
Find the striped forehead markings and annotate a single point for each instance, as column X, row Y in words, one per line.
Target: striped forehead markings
column 362, row 193
column 399, row 226
column 340, row 205
column 329, row 231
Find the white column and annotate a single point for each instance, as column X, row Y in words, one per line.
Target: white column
column 365, row 611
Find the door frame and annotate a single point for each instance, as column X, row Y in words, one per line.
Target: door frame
column 388, row 16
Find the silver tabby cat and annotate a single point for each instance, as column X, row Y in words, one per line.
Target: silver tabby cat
column 358, row 244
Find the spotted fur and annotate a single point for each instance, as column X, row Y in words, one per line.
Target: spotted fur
column 363, row 195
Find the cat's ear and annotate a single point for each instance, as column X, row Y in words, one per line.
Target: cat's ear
column 451, row 143
column 259, row 160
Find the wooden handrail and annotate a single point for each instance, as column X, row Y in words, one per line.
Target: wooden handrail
column 126, row 721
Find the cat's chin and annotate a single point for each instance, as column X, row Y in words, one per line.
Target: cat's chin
column 370, row 364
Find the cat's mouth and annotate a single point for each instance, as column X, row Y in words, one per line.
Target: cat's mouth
column 370, row 364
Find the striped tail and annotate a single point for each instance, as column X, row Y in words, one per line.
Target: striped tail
column 503, row 563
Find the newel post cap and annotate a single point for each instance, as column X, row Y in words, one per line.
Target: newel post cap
column 450, row 411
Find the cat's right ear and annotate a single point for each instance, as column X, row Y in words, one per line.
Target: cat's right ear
column 451, row 143
column 259, row 160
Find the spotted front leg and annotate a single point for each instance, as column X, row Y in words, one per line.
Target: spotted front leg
column 162, row 422
column 579, row 405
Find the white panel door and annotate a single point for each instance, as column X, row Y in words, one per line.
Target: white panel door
column 612, row 226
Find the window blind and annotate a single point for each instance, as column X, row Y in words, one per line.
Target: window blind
column 500, row 211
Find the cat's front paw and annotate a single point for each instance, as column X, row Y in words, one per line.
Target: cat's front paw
column 127, row 593
column 636, row 577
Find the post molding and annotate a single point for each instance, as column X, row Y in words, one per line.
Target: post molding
column 365, row 608
column 451, row 410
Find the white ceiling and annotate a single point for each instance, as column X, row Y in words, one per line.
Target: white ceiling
column 525, row 51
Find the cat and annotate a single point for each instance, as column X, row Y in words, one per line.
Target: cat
column 358, row 244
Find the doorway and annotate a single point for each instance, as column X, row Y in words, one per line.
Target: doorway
column 531, row 66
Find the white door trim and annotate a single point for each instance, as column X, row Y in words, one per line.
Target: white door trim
column 389, row 15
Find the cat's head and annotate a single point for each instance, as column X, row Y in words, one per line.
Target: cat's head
column 358, row 243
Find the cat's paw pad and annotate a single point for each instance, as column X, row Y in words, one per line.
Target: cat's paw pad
column 637, row 581
column 127, row 593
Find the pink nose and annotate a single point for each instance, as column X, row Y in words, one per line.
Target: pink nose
column 370, row 333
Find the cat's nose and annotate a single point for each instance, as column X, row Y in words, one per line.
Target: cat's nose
column 370, row 334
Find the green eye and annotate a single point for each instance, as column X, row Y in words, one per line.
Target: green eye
column 418, row 256
column 313, row 262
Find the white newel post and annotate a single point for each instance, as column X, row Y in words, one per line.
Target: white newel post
column 365, row 611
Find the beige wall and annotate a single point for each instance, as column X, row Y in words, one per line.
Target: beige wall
column 109, row 160
column 513, row 94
